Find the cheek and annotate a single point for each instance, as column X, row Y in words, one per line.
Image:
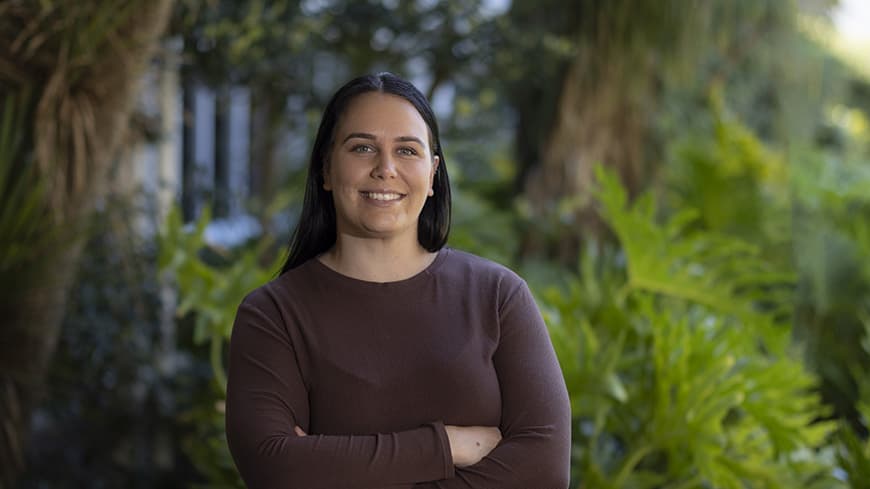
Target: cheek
column 340, row 177
column 423, row 174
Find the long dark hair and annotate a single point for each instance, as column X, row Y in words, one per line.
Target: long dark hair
column 315, row 232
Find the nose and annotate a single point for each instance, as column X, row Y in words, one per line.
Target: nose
column 384, row 168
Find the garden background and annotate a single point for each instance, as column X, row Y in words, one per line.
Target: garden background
column 685, row 185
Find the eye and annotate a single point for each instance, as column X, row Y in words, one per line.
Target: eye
column 407, row 151
column 362, row 148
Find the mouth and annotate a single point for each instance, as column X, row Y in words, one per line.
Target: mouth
column 383, row 196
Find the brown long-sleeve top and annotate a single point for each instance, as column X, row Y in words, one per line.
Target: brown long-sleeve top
column 373, row 372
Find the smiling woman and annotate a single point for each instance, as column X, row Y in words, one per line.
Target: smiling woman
column 380, row 175
column 380, row 358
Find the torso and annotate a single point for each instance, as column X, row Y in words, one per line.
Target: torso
column 387, row 357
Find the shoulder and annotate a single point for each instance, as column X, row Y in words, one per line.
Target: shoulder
column 280, row 306
column 492, row 286
column 483, row 273
column 261, row 304
column 280, row 291
column 459, row 259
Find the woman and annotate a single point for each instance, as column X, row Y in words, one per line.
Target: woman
column 379, row 358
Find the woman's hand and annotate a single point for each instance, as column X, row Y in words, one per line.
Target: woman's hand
column 469, row 444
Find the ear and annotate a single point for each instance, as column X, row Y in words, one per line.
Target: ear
column 435, row 162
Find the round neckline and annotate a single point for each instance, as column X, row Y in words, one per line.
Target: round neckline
column 422, row 274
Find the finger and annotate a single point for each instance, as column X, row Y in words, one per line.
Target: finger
column 299, row 431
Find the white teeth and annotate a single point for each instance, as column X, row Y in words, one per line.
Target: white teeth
column 380, row 196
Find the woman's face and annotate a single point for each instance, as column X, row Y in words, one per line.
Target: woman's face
column 380, row 170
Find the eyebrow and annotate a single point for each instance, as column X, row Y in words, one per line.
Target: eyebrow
column 365, row 135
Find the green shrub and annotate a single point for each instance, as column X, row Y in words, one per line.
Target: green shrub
column 679, row 364
column 211, row 284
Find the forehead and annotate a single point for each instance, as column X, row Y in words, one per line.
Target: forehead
column 382, row 114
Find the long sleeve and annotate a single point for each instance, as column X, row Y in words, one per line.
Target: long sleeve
column 267, row 397
column 536, row 414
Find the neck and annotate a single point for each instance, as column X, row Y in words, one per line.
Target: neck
column 377, row 260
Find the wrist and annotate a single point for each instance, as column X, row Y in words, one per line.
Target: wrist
column 445, row 444
column 453, row 445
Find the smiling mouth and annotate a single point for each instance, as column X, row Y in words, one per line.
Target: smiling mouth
column 383, row 196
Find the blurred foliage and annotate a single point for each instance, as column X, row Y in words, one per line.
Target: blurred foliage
column 117, row 383
column 617, row 82
column 724, row 161
column 211, row 283
column 68, row 73
column 831, row 252
column 24, row 215
column 255, row 41
column 853, row 450
column 678, row 362
column 805, row 210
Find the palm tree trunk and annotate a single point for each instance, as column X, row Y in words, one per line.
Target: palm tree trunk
column 30, row 336
column 600, row 118
column 620, row 53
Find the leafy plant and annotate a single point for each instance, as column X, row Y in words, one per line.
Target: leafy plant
column 853, row 452
column 678, row 362
column 78, row 64
column 117, row 381
column 22, row 213
column 853, row 447
column 211, row 284
column 210, row 289
column 807, row 213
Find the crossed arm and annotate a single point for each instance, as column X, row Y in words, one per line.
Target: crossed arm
column 267, row 404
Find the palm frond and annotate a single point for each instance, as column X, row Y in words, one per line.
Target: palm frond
column 86, row 59
column 23, row 216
